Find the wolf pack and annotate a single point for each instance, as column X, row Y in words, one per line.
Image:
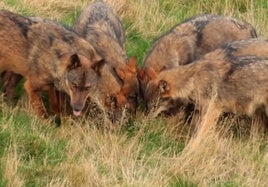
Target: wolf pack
column 210, row 64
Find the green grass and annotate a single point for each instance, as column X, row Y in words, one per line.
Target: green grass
column 39, row 148
column 182, row 183
column 137, row 46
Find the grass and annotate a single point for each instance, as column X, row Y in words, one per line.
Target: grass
column 141, row 152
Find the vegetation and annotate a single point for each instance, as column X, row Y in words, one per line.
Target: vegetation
column 143, row 151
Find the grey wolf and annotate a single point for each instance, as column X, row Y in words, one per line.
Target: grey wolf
column 118, row 86
column 49, row 56
column 9, row 80
column 190, row 40
column 230, row 79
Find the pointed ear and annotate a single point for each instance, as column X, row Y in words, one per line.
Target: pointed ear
column 163, row 86
column 97, row 66
column 132, row 64
column 151, row 73
column 73, row 62
column 120, row 73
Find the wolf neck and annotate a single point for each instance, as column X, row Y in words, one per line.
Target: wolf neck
column 187, row 91
column 180, row 80
column 205, row 78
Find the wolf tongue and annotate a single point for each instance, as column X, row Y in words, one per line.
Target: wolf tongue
column 77, row 113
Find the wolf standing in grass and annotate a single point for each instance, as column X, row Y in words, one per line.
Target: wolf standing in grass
column 48, row 56
column 9, row 79
column 231, row 79
column 118, row 85
column 190, row 40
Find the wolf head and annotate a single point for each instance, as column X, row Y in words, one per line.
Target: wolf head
column 118, row 88
column 81, row 75
column 129, row 92
column 158, row 94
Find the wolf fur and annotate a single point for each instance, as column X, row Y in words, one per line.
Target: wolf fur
column 102, row 16
column 48, row 56
column 9, row 79
column 190, row 40
column 231, row 79
column 118, row 84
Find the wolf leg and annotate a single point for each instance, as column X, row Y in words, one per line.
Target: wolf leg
column 209, row 118
column 35, row 99
column 260, row 120
column 54, row 101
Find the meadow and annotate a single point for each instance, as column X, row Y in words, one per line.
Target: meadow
column 143, row 151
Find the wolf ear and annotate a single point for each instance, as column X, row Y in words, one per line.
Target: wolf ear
column 132, row 64
column 151, row 73
column 74, row 62
column 97, row 66
column 131, row 67
column 120, row 73
column 163, row 86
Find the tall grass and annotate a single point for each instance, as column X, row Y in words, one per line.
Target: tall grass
column 143, row 151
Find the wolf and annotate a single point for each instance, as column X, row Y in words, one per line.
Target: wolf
column 118, row 86
column 9, row 79
column 231, row 79
column 190, row 40
column 100, row 15
column 50, row 57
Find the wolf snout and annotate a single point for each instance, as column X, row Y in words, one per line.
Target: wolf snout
column 77, row 109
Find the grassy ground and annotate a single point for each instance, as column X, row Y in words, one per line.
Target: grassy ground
column 142, row 152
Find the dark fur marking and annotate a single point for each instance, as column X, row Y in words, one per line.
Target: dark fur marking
column 55, row 67
column 190, row 58
column 58, row 53
column 118, row 79
column 81, row 82
column 253, row 33
column 238, row 24
column 22, row 24
column 35, row 61
column 229, row 49
column 68, row 38
column 240, row 62
column 199, row 27
column 51, row 38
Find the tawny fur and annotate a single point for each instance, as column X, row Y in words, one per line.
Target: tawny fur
column 190, row 40
column 48, row 56
column 230, row 79
column 117, row 85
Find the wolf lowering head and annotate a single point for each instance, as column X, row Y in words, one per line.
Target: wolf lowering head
column 81, row 76
column 118, row 85
column 50, row 57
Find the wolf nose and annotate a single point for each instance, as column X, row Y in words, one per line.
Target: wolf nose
column 77, row 108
